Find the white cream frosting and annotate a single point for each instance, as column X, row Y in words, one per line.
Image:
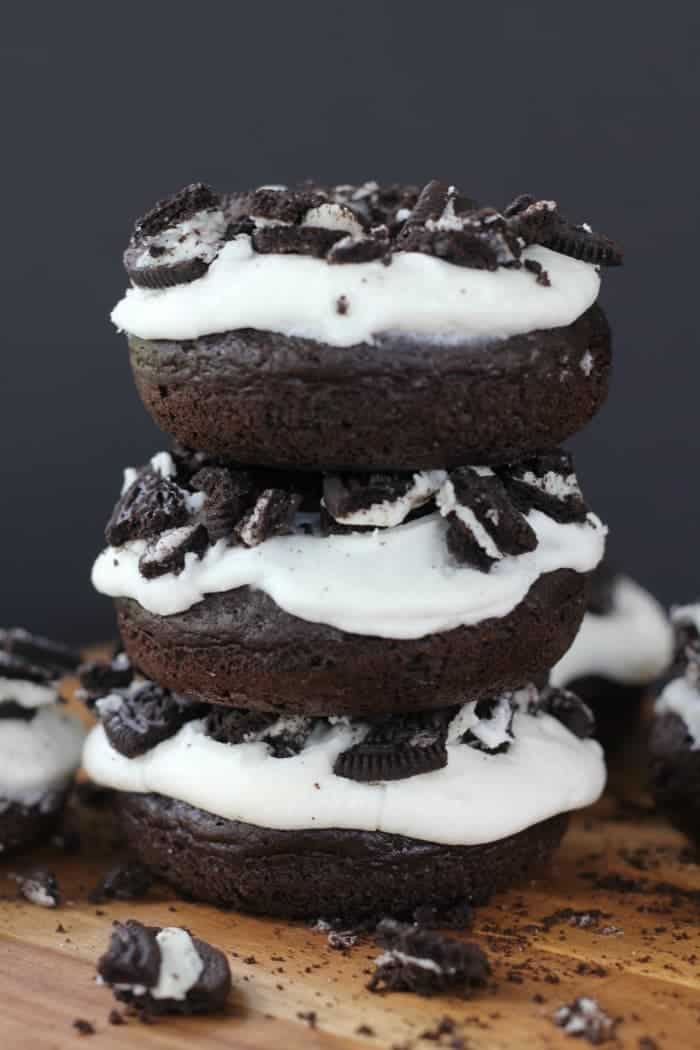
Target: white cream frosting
column 400, row 583
column 632, row 644
column 40, row 755
column 475, row 798
column 27, row 694
column 682, row 697
column 417, row 295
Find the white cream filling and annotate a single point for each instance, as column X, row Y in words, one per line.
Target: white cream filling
column 475, row 798
column 400, row 583
column 681, row 697
column 197, row 237
column 417, row 295
column 38, row 756
column 27, row 694
column 632, row 644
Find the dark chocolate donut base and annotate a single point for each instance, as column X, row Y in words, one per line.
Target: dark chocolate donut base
column 272, row 400
column 675, row 774
column 322, row 873
column 24, row 826
column 241, row 649
column 616, row 708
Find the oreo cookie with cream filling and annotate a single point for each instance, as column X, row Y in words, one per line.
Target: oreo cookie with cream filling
column 483, row 525
column 546, row 482
column 426, row 962
column 150, row 505
column 164, row 970
column 492, row 731
column 34, row 651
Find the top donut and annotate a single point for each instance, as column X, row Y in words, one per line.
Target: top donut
column 365, row 327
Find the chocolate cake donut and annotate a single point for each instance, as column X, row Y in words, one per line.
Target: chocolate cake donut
column 309, row 817
column 281, row 591
column 40, row 744
column 674, row 741
column 624, row 645
column 365, row 327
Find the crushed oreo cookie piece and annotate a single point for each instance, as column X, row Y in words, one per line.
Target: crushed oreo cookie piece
column 84, row 1027
column 150, row 505
column 585, row 1019
column 345, row 495
column 169, row 551
column 686, row 638
column 284, row 736
column 427, row 963
column 569, row 709
column 483, row 524
column 272, row 514
column 99, row 677
column 282, row 205
column 34, row 651
column 493, row 730
column 139, row 718
column 366, row 248
column 580, row 242
column 397, row 747
column 228, row 495
column 125, row 882
column 296, row 240
column 40, row 887
column 177, row 240
column 546, row 482
column 601, row 589
column 164, row 970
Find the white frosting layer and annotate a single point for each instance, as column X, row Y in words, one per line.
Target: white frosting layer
column 400, row 583
column 27, row 694
column 682, row 698
column 38, row 756
column 416, row 295
column 475, row 798
column 632, row 644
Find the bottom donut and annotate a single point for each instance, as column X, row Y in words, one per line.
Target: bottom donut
column 343, row 817
column 323, row 872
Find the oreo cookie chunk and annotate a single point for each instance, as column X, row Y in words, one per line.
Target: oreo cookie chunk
column 397, row 747
column 674, row 743
column 483, row 525
column 141, row 716
column 547, row 482
column 427, row 963
column 164, row 970
column 623, row 647
column 527, row 365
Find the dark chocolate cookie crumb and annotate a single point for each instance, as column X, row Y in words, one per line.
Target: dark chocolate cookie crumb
column 137, row 720
column 84, row 1027
column 116, row 1018
column 584, row 1019
column 342, row 305
column 397, row 747
column 130, row 881
column 40, row 887
column 425, row 962
column 310, row 1016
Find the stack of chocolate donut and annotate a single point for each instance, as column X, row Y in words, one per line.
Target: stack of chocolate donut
column 341, row 592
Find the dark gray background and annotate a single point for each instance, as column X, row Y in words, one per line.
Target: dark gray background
column 595, row 105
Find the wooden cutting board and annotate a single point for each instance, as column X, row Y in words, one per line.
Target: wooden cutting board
column 634, row 945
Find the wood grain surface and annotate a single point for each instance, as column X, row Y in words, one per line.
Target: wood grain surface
column 632, row 942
